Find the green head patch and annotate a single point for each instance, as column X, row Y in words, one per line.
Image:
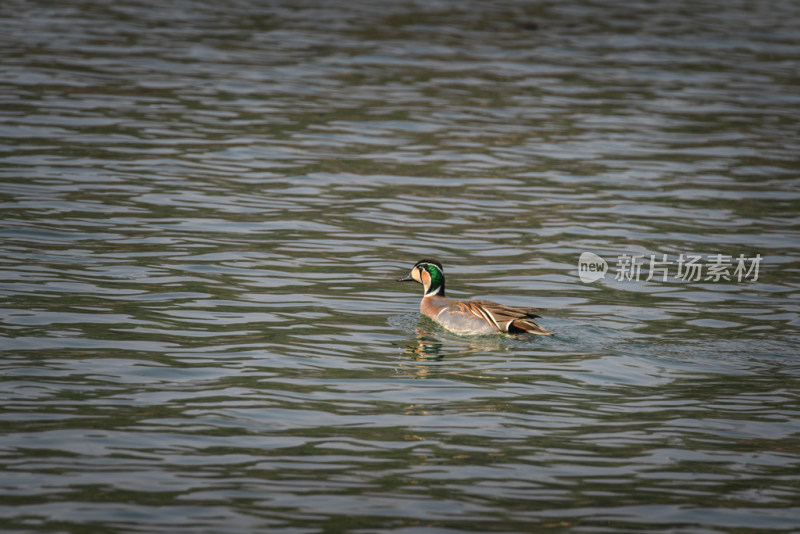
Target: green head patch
column 436, row 273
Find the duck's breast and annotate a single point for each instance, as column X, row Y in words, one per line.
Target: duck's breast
column 431, row 306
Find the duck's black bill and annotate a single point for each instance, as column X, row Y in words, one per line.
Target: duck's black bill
column 405, row 279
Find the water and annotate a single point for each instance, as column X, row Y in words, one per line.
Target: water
column 205, row 206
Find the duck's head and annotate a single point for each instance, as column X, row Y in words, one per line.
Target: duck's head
column 430, row 274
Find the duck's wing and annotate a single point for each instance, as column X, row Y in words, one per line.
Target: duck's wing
column 506, row 318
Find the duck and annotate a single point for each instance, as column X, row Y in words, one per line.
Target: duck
column 468, row 317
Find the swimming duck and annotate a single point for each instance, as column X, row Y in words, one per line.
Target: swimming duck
column 468, row 317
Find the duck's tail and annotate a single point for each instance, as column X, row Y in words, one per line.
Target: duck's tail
column 527, row 325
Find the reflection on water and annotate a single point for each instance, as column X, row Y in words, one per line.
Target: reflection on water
column 205, row 207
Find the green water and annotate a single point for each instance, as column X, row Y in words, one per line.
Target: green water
column 205, row 207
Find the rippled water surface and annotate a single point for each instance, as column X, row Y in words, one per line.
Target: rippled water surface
column 205, row 206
